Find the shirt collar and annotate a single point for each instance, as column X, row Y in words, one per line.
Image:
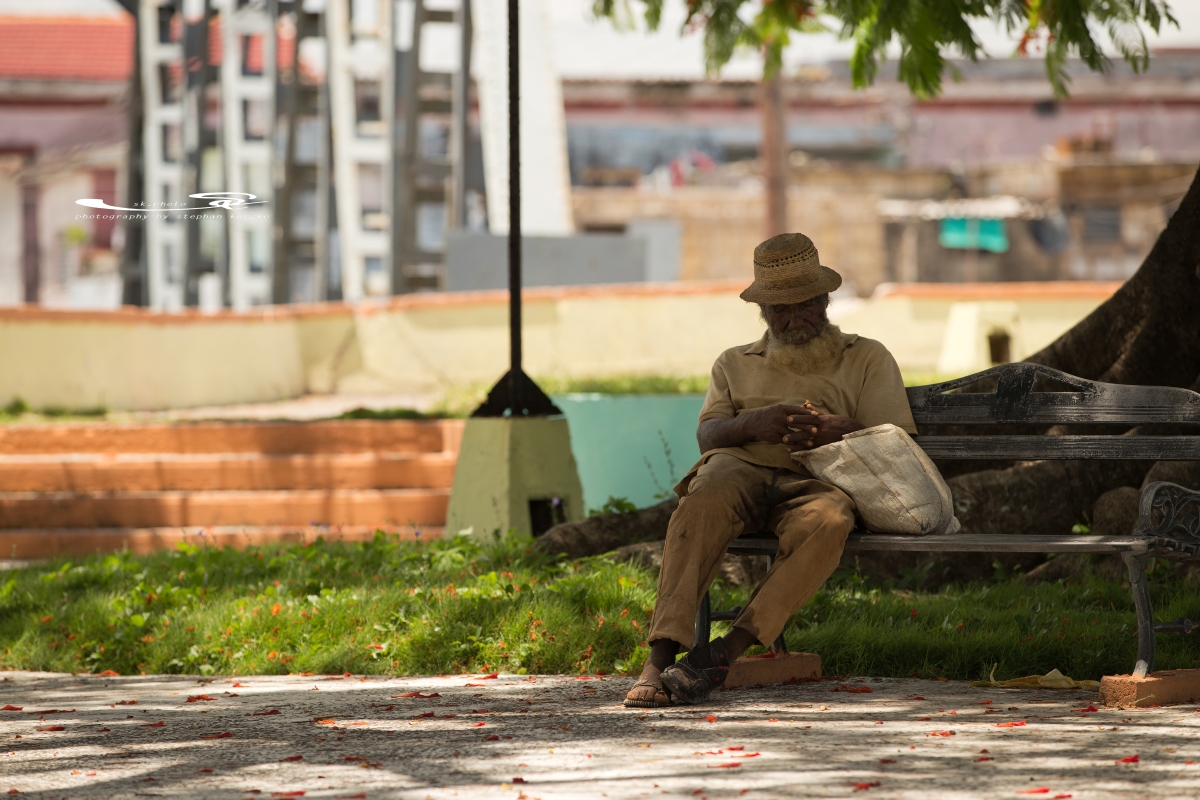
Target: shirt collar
column 759, row 348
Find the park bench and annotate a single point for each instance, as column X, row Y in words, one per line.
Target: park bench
column 1029, row 394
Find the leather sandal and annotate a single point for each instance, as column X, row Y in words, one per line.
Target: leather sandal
column 650, row 703
column 691, row 683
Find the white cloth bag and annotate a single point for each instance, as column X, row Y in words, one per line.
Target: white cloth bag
column 894, row 484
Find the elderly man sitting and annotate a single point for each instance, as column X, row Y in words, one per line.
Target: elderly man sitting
column 804, row 384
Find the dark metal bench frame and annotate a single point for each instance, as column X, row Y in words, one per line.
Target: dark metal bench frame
column 1169, row 516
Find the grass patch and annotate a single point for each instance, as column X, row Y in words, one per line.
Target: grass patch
column 402, row 608
column 389, row 413
column 627, row 384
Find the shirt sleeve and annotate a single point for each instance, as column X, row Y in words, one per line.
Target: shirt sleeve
column 883, row 398
column 718, row 403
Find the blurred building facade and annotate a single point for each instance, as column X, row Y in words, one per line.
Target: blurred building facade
column 1093, row 178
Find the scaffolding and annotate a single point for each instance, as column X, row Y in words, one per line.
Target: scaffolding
column 321, row 112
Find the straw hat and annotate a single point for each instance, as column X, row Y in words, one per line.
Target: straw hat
column 788, row 270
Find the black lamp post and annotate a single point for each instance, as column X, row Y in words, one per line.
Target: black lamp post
column 515, row 394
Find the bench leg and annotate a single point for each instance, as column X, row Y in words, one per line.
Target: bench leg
column 703, row 623
column 1136, row 564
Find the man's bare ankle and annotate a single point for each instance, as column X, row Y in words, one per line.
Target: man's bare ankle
column 662, row 653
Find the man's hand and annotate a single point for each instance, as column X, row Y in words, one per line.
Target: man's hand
column 820, row 428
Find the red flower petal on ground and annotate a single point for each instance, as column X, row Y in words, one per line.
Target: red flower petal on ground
column 297, row 793
column 225, row 735
column 108, row 673
column 206, row 769
column 984, row 758
column 417, row 694
column 1087, row 710
column 923, row 719
column 940, row 733
column 270, row 713
column 14, row 791
column 859, row 689
column 1018, row 724
column 1062, row 796
column 12, row 708
column 240, row 686
column 492, row 738
column 52, row 728
column 862, row 787
column 489, row 677
column 519, row 780
column 292, row 758
column 711, row 718
column 982, row 703
column 158, row 724
column 426, row 715
column 738, row 747
column 1128, row 760
column 1037, row 790
column 198, row 698
column 728, row 765
column 126, row 703
column 887, row 761
column 474, row 684
column 478, row 724
column 772, row 719
column 755, row 754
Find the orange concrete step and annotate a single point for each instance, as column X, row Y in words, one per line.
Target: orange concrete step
column 178, row 509
column 153, row 472
column 38, row 544
column 328, row 436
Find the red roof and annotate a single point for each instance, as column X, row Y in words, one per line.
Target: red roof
column 66, row 48
column 93, row 48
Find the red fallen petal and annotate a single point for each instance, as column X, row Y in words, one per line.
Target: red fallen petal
column 240, row 686
column 53, row 711
column 478, row 724
column 982, row 703
column 1128, row 760
column 887, row 761
column 158, row 724
column 447, row 716
column 52, row 728
column 225, row 735
column 738, row 747
column 730, row 765
column 297, row 793
column 474, row 684
column 1019, row 724
column 519, row 780
column 292, row 758
column 270, row 713
column 859, row 689
column 426, row 715
column 1189, row 762
column 923, row 719
column 14, row 791
column 489, row 677
column 103, row 730
column 917, row 697
column 480, row 711
column 578, row 678
column 984, row 750
column 1062, row 796
column 1038, row 790
column 126, row 703
column 199, row 698
column 206, row 769
column 984, row 758
column 711, row 718
column 492, row 738
column 714, row 752
column 752, row 755
column 862, row 787
column 1090, row 708
column 941, row 733
column 772, row 720
column 108, row 673
column 12, row 708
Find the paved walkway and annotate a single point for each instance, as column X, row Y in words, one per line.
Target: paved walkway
column 556, row 737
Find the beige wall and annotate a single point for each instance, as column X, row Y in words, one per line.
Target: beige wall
column 12, row 286
column 132, row 359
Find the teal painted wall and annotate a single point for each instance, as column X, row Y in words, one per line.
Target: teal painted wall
column 614, row 436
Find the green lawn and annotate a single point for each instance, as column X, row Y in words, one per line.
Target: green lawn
column 389, row 607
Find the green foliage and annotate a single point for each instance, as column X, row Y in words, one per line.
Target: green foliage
column 16, row 407
column 381, row 607
column 391, row 607
column 56, row 412
column 626, row 384
column 925, row 30
column 614, row 505
column 388, row 413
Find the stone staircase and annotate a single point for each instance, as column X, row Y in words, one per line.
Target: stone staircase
column 82, row 488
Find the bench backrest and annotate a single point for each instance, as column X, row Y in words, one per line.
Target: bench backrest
column 1088, row 402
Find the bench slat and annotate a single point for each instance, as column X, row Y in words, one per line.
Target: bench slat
column 966, row 543
column 1015, row 400
column 1151, row 448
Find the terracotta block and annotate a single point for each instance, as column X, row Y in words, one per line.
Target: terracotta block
column 1162, row 688
column 789, row 668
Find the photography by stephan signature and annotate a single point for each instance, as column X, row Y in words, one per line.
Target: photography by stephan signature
column 230, row 201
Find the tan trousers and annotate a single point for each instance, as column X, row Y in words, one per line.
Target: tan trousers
column 729, row 497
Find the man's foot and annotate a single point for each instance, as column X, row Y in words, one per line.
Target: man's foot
column 648, row 692
column 693, row 677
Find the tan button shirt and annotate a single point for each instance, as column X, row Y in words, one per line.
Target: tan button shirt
column 863, row 383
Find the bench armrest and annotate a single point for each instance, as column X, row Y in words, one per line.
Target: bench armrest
column 1170, row 517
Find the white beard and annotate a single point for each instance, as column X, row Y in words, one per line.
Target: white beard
column 812, row 356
